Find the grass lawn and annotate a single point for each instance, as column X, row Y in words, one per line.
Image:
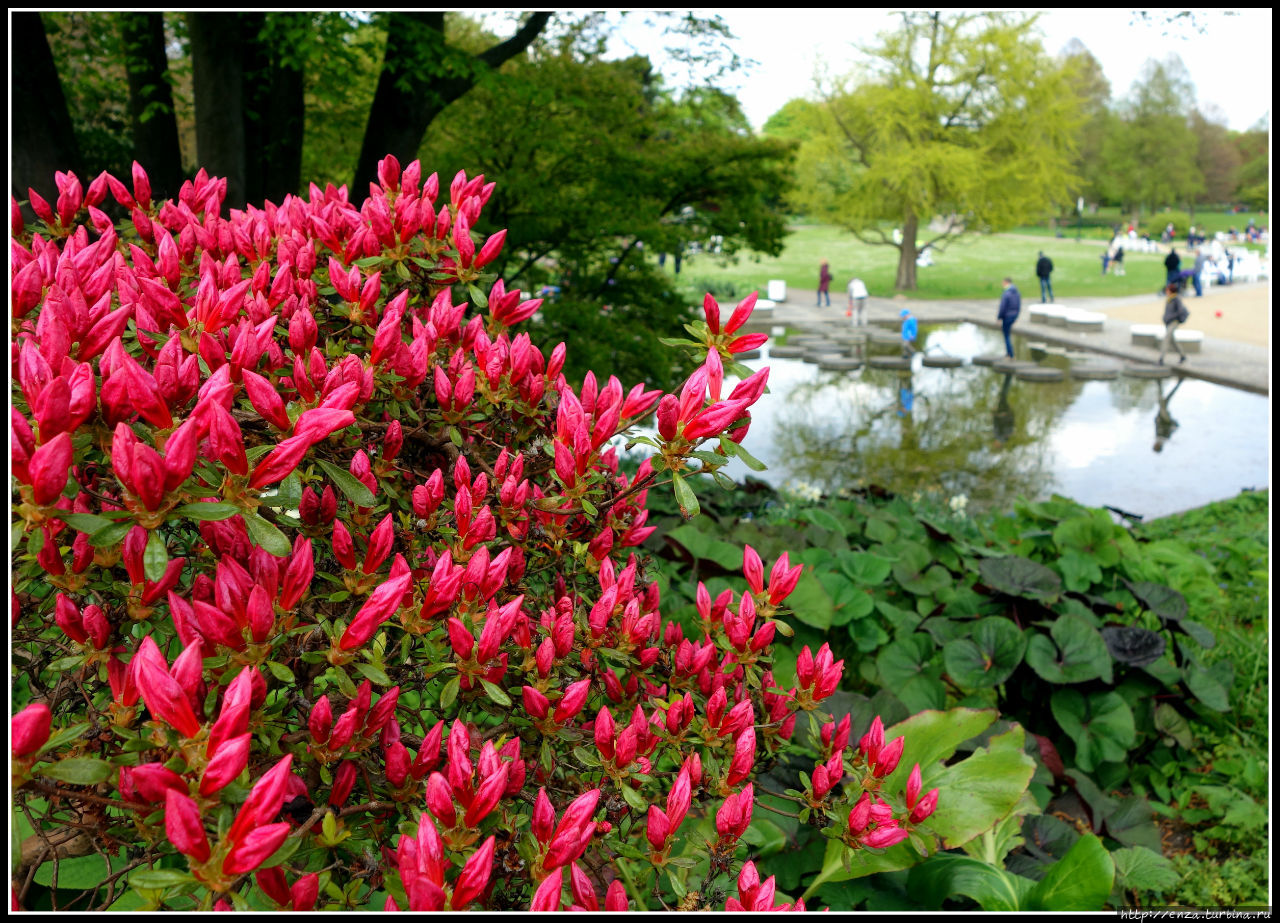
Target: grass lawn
column 968, row 268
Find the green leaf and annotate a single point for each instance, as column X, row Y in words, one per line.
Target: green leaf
column 947, row 874
column 81, row 873
column 205, row 512
column 1075, row 654
column 280, row 672
column 983, row 788
column 449, row 692
column 478, row 297
column 820, row 517
column 155, row 557
column 908, row 667
column 865, row 568
column 1140, row 869
column 78, row 770
column 933, row 736
column 1207, row 687
column 1101, row 725
column 1172, row 724
column 496, row 693
column 372, row 673
column 810, row 602
column 1016, row 576
column 701, row 545
column 85, row 522
column 110, row 535
column 266, row 535
column 633, row 798
column 159, row 879
column 988, row 657
column 684, row 497
column 917, row 573
column 742, row 454
column 346, row 482
column 1165, row 602
column 64, row 737
column 1080, row 881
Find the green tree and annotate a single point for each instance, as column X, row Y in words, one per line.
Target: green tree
column 1090, row 85
column 1252, row 183
column 611, row 172
column 962, row 119
column 1151, row 158
column 795, row 121
column 1216, row 157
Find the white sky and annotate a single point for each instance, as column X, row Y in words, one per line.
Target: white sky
column 1230, row 63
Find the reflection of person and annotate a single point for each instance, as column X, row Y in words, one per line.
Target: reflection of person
column 906, row 395
column 1010, row 305
column 1175, row 315
column 1044, row 268
column 1165, row 423
column 824, row 283
column 908, row 333
column 1002, row 421
column 858, row 302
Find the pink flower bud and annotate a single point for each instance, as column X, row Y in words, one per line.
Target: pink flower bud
column 29, row 729
column 183, row 825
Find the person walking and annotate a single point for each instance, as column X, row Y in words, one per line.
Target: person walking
column 1118, row 260
column 1010, row 306
column 1175, row 315
column 1198, row 268
column 1172, row 264
column 824, row 283
column 908, row 333
column 1044, row 268
column 858, row 302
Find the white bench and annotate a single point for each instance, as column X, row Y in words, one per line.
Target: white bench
column 1189, row 340
column 1085, row 321
column 1146, row 334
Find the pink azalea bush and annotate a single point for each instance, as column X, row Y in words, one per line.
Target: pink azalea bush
column 344, row 569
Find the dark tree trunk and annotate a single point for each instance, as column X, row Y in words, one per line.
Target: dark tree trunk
column 155, row 124
column 413, row 89
column 218, row 76
column 906, row 280
column 43, row 139
column 281, row 104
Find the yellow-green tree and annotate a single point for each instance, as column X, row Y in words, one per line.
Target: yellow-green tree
column 961, row 124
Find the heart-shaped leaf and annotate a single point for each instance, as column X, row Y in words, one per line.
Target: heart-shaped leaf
column 1017, row 576
column 988, row 656
column 1072, row 652
column 1101, row 725
column 1136, row 647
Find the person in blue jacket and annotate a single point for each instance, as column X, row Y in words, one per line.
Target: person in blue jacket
column 1010, row 305
column 908, row 333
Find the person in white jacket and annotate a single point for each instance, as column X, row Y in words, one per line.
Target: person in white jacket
column 858, row 302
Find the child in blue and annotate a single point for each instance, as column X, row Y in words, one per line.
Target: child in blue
column 908, row 333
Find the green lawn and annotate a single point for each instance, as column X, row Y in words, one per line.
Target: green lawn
column 969, row 268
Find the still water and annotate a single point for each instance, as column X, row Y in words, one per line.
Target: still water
column 991, row 438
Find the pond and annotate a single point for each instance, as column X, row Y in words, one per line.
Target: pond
column 986, row 436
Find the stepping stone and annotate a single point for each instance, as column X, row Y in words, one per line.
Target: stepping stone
column 786, row 352
column 889, row 362
column 749, row 354
column 818, row 356
column 807, row 340
column 1040, row 373
column 942, row 362
column 1147, row 371
column 1095, row 371
column 839, row 363
column 1003, row 364
column 1146, row 335
column 850, row 338
column 1038, row 350
column 1189, row 340
column 988, row 359
column 884, row 338
column 1086, row 321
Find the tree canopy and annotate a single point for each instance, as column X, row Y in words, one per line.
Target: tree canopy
column 963, row 117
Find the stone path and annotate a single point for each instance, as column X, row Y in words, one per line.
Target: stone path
column 1223, row 361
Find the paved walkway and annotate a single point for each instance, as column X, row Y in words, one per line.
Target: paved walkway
column 1222, row 361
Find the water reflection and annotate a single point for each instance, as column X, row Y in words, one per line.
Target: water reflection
column 1165, row 423
column 986, row 435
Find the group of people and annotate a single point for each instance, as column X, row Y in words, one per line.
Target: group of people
column 857, row 290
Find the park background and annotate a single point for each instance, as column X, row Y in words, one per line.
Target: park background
column 604, row 162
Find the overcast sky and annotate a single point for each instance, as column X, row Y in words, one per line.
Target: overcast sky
column 1230, row 63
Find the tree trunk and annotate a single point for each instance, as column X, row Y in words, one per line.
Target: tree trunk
column 155, row 124
column 217, row 73
column 413, row 88
column 43, row 139
column 285, row 115
column 906, row 280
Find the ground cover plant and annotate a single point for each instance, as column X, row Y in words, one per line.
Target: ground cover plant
column 968, row 269
column 1107, row 646
column 327, row 591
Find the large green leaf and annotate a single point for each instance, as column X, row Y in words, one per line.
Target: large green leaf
column 78, row 874
column 932, row 736
column 1092, row 535
column 1167, row 603
column 988, row 656
column 1134, row 646
column 810, row 602
column 910, row 669
column 1140, row 869
column 865, row 568
column 1021, row 577
column 206, row 512
column 77, row 770
column 1101, row 725
column 980, row 790
column 702, row 545
column 1075, row 654
column 1209, row 684
column 347, row 482
column 1080, row 881
column 261, row 532
column 916, row 571
column 947, row 874
column 849, row 600
column 1079, row 571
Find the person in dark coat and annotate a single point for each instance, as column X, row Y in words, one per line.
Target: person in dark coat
column 824, row 283
column 1010, row 305
column 1175, row 315
column 1172, row 263
column 1044, row 268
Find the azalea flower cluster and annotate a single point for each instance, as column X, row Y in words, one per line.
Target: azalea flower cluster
column 347, row 573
